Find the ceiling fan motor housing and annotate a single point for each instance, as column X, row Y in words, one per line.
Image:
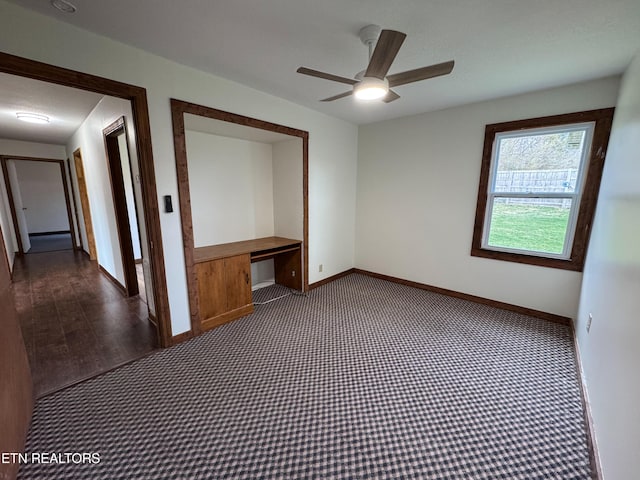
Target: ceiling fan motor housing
column 369, row 35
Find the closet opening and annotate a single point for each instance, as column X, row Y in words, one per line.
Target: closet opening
column 243, row 195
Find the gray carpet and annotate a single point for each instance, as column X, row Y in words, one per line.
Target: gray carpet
column 360, row 379
column 50, row 243
column 272, row 293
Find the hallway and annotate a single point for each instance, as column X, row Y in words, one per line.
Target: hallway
column 50, row 242
column 75, row 322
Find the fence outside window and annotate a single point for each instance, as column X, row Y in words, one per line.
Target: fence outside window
column 533, row 181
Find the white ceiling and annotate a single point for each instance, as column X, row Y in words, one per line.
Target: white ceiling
column 66, row 108
column 501, row 47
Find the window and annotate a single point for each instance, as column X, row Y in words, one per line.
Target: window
column 538, row 188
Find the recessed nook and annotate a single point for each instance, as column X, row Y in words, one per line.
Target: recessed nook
column 243, row 206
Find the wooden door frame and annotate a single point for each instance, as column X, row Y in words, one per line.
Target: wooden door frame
column 16, row 401
column 123, row 225
column 78, row 245
column 12, row 206
column 24, row 67
column 86, row 209
column 178, row 109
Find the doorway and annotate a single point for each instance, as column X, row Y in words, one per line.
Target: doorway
column 41, row 217
column 86, row 207
column 23, row 67
column 124, row 201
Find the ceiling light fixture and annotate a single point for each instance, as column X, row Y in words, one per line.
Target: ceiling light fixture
column 64, row 6
column 32, row 117
column 371, row 88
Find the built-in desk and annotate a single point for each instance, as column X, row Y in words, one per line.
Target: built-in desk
column 223, row 274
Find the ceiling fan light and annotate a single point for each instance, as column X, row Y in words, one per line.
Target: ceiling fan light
column 371, row 88
column 32, row 117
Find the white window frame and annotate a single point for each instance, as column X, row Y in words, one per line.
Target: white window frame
column 575, row 196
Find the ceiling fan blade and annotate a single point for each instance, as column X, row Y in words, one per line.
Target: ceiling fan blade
column 336, row 97
column 385, row 53
column 418, row 74
column 390, row 96
column 326, row 76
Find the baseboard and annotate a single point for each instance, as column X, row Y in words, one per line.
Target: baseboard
column 226, row 317
column 264, row 284
column 153, row 319
column 332, row 278
column 551, row 317
column 592, row 446
column 181, row 337
column 112, row 279
column 44, row 234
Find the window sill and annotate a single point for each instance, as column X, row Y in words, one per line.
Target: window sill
column 571, row 264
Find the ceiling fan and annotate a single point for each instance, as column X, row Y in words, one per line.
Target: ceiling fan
column 374, row 83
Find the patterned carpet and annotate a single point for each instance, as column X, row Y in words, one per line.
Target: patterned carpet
column 270, row 294
column 362, row 378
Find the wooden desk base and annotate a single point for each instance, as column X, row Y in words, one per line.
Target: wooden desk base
column 223, row 274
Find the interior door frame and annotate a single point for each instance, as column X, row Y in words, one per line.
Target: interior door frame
column 178, row 109
column 25, row 67
column 12, row 206
column 16, row 401
column 86, row 207
column 72, row 191
column 123, row 225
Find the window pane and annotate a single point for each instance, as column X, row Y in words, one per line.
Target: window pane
column 538, row 163
column 538, row 225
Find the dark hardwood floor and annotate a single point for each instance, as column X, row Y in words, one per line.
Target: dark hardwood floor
column 76, row 324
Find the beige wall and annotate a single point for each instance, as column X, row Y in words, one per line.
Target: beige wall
column 231, row 188
column 89, row 139
column 417, row 188
column 611, row 293
column 287, row 189
column 43, row 198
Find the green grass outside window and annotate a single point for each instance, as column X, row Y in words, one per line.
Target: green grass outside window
column 529, row 227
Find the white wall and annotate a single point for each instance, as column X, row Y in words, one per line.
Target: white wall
column 89, row 138
column 242, row 189
column 18, row 208
column 32, row 149
column 129, row 195
column 417, row 188
column 332, row 142
column 43, row 198
column 288, row 202
column 21, row 149
column 9, row 240
column 611, row 293
column 230, row 182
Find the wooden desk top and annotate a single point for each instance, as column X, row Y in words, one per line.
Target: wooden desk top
column 223, row 250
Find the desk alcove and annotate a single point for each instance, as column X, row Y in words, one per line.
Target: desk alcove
column 243, row 204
